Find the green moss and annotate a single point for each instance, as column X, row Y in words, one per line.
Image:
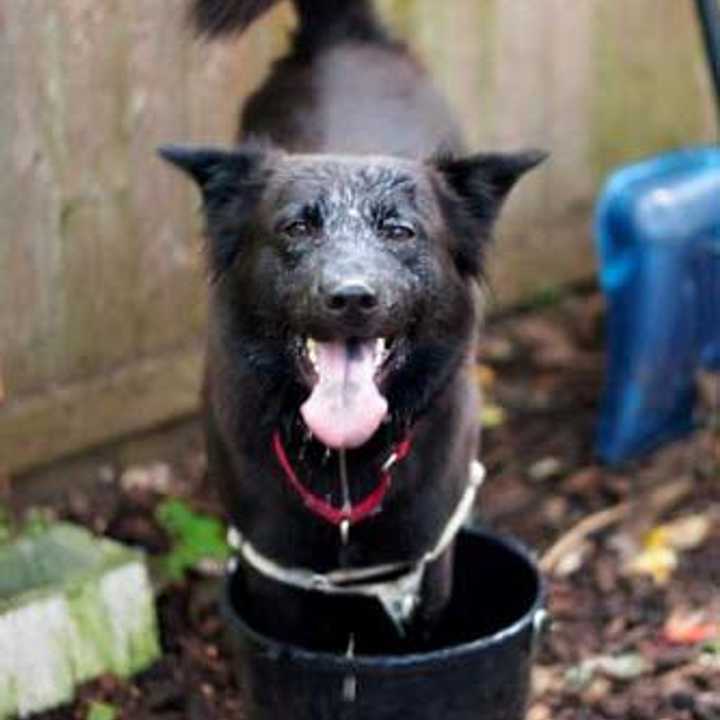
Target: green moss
column 134, row 621
column 92, row 644
column 143, row 646
column 8, row 698
column 61, row 557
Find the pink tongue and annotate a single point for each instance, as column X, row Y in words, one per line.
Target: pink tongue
column 345, row 407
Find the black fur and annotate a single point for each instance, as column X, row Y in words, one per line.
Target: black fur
column 231, row 185
column 321, row 22
column 481, row 182
column 343, row 187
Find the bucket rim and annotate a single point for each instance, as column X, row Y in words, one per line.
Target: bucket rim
column 324, row 660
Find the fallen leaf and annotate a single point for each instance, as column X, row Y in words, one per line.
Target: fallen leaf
column 658, row 562
column 484, row 376
column 539, row 712
column 656, row 539
column 545, row 469
column 545, row 679
column 690, row 629
column 661, row 545
column 578, row 677
column 598, row 689
column 492, row 416
column 156, row 477
column 626, row 666
column 496, row 348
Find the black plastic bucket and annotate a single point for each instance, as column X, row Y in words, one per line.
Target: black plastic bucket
column 480, row 669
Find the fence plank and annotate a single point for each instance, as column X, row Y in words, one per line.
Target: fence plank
column 80, row 415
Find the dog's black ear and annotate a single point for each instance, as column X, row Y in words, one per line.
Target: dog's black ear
column 475, row 188
column 231, row 182
column 200, row 163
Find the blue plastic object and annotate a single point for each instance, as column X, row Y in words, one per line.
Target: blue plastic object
column 658, row 235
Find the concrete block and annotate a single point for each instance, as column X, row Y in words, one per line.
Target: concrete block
column 72, row 606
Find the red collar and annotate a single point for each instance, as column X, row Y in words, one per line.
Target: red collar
column 324, row 509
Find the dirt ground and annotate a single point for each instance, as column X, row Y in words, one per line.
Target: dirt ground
column 632, row 555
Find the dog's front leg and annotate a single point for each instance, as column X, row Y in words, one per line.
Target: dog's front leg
column 435, row 593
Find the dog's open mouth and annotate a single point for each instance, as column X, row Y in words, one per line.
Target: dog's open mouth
column 346, row 405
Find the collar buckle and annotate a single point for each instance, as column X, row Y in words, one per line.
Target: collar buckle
column 390, row 462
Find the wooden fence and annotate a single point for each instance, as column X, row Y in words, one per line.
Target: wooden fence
column 101, row 278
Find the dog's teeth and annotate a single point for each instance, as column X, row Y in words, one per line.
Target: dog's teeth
column 311, row 348
column 379, row 351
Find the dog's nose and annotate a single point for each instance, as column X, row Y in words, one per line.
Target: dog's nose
column 351, row 297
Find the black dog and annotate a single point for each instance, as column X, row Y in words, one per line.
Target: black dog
column 345, row 256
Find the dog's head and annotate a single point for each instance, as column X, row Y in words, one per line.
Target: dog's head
column 354, row 273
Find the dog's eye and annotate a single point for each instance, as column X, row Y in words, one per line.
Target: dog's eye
column 297, row 229
column 397, row 232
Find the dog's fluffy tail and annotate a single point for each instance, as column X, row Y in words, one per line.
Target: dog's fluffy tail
column 321, row 21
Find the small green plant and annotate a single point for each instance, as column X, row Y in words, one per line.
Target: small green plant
column 101, row 711
column 35, row 522
column 6, row 524
column 712, row 647
column 195, row 538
